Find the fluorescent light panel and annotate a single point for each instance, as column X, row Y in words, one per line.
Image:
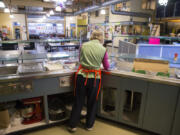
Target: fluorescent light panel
column 6, row 10
column 2, row 5
column 58, row 8
column 11, row 16
column 51, row 12
column 163, row 2
column 103, row 12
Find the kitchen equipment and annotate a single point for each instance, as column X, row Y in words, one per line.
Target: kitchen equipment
column 27, row 111
column 57, row 55
column 52, row 66
column 178, row 76
column 8, row 69
column 11, row 87
column 56, row 109
column 177, row 73
column 56, row 114
column 32, row 111
column 31, row 68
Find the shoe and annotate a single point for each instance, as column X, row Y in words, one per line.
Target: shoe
column 89, row 129
column 72, row 129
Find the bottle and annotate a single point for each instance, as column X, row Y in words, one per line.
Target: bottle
column 175, row 56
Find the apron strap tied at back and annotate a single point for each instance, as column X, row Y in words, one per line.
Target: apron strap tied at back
column 87, row 71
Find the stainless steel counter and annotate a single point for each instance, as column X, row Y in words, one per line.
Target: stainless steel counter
column 50, row 83
column 151, row 78
column 37, row 75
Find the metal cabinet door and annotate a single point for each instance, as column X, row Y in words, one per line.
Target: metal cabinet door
column 160, row 108
column 176, row 129
column 109, row 98
column 132, row 102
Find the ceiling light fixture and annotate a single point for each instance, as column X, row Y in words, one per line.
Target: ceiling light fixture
column 6, row 10
column 51, row 12
column 103, row 12
column 70, row 18
column 2, row 5
column 58, row 8
column 163, row 2
column 11, row 16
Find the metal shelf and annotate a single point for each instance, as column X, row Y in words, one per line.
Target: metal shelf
column 22, row 127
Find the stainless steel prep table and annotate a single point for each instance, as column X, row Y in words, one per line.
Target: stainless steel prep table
column 42, row 85
column 38, row 80
column 159, row 97
column 153, row 102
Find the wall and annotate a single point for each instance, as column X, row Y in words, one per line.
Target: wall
column 99, row 19
column 21, row 19
column 69, row 21
column 73, row 20
column 174, row 27
column 112, row 17
column 82, row 22
column 133, row 6
column 6, row 21
column 121, row 18
column 117, row 18
column 136, row 6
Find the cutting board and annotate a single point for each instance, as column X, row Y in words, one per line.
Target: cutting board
column 151, row 65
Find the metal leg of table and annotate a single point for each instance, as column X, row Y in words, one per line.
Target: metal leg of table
column 132, row 100
column 46, row 109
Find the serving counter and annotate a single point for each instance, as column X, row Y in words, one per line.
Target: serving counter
column 145, row 101
column 32, row 77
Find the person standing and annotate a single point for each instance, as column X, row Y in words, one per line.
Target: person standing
column 88, row 80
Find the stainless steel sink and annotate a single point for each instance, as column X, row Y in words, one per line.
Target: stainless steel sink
column 8, row 69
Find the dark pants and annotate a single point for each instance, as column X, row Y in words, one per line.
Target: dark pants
column 90, row 90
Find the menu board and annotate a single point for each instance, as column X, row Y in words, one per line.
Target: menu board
column 46, row 28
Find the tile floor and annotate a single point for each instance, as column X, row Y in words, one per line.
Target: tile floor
column 101, row 127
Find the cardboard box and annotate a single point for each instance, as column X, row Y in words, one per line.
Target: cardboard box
column 4, row 119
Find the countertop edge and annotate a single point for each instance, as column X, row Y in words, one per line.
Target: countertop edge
column 150, row 78
column 37, row 75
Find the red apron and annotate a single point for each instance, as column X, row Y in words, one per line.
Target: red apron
column 87, row 71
